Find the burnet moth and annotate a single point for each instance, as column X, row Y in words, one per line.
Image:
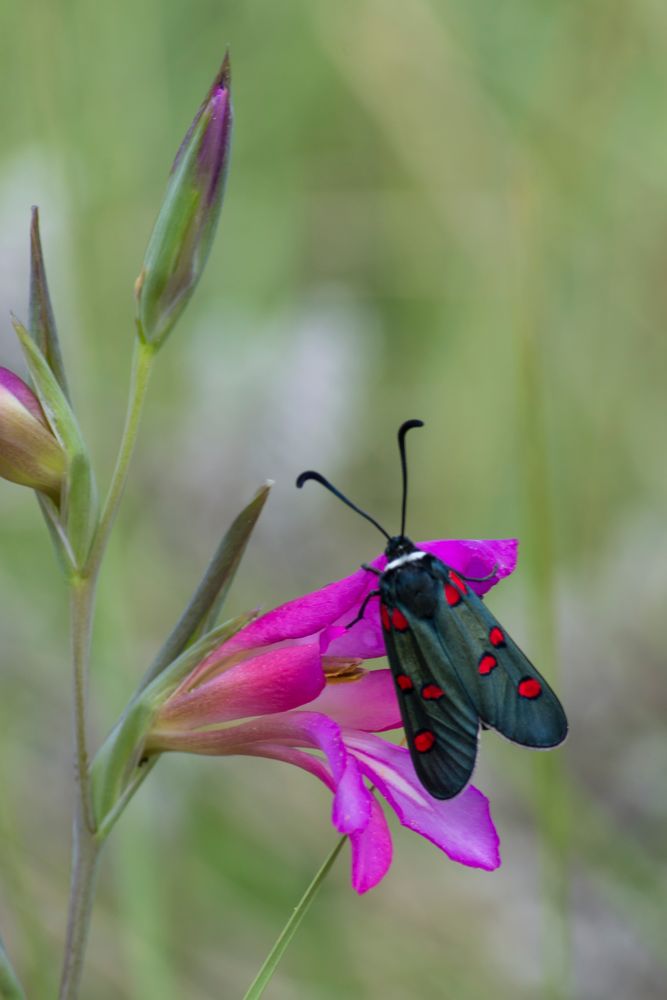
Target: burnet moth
column 454, row 666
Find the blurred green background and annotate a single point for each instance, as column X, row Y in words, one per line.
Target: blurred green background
column 456, row 211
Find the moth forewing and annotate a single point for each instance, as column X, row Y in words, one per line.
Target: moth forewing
column 507, row 691
column 440, row 722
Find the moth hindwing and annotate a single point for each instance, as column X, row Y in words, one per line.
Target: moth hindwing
column 454, row 666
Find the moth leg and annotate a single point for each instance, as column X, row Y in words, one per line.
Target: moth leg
column 371, row 569
column 481, row 579
column 362, row 609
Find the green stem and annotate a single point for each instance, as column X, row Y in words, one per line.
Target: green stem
column 85, row 847
column 263, row 977
column 86, row 841
column 142, row 365
column 85, row 855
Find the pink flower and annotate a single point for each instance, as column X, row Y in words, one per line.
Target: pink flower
column 291, row 683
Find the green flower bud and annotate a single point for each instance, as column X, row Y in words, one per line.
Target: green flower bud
column 186, row 224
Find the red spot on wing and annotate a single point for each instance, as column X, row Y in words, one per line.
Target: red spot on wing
column 487, row 663
column 496, row 636
column 455, row 578
column 424, row 741
column 529, row 687
column 404, row 682
column 398, row 620
column 431, row 691
column 452, row 595
column 384, row 615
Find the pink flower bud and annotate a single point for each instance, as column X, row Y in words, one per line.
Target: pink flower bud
column 187, row 222
column 30, row 454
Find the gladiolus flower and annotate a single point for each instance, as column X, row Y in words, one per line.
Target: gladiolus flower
column 290, row 687
column 186, row 224
column 30, row 454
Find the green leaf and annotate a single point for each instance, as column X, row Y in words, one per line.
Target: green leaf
column 207, row 601
column 10, row 987
column 41, row 321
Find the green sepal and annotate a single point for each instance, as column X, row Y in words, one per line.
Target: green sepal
column 41, row 321
column 10, row 987
column 120, row 757
column 79, row 505
column 207, row 601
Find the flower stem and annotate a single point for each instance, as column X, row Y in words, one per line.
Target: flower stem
column 85, row 846
column 85, row 855
column 142, row 365
column 83, row 582
column 263, row 977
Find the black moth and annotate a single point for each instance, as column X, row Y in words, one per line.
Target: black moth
column 453, row 665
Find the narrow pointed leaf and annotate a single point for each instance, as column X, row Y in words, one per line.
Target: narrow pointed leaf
column 172, row 674
column 58, row 537
column 41, row 322
column 207, row 601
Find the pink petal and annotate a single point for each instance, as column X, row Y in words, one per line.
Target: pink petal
column 352, row 800
column 303, row 616
column 371, row 846
column 474, row 557
column 371, row 851
column 462, row 827
column 275, row 681
column 477, row 557
column 9, row 382
column 368, row 704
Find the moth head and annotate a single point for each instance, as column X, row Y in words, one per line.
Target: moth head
column 399, row 546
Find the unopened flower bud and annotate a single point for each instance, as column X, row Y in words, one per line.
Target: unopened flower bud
column 30, row 453
column 186, row 224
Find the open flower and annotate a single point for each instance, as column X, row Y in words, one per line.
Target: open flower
column 30, row 454
column 291, row 683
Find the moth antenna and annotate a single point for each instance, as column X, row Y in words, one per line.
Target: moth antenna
column 402, row 431
column 305, row 476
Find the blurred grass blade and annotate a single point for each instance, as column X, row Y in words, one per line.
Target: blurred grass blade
column 10, row 988
column 207, row 601
column 41, row 320
column 263, row 977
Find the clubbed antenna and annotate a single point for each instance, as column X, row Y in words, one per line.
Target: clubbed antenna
column 305, row 476
column 402, row 431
